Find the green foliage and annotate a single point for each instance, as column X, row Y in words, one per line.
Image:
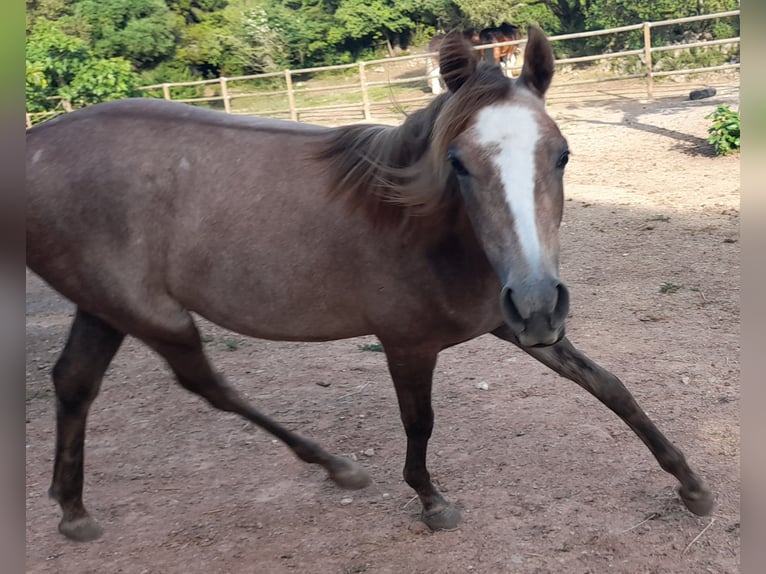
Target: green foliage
column 55, row 55
column 304, row 31
column 485, row 13
column 433, row 15
column 669, row 288
column 237, row 40
column 374, row 347
column 143, row 31
column 359, row 19
column 101, row 80
column 195, row 10
column 724, row 130
column 185, row 40
column 602, row 14
column 59, row 66
column 551, row 16
column 614, row 13
column 694, row 58
column 50, row 10
column 231, row 344
column 269, row 47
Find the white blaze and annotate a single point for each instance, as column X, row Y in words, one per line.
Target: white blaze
column 512, row 131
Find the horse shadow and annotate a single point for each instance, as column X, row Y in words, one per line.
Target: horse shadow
column 685, row 143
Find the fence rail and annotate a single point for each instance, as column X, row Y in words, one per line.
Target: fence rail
column 285, row 91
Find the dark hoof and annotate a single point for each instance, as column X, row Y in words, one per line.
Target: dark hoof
column 349, row 475
column 82, row 529
column 699, row 502
column 446, row 518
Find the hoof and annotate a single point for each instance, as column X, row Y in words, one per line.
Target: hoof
column 699, row 502
column 446, row 518
column 349, row 475
column 82, row 529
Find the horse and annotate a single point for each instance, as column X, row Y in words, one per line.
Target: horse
column 504, row 55
column 431, row 233
column 432, row 63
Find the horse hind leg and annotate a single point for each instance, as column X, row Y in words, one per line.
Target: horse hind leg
column 77, row 376
column 412, row 373
column 434, row 80
column 566, row 360
column 182, row 348
column 510, row 62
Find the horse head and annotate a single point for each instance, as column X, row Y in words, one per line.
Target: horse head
column 508, row 157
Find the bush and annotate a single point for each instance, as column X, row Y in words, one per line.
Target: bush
column 62, row 67
column 701, row 57
column 724, row 131
column 101, row 80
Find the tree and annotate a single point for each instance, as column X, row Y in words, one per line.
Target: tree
column 553, row 16
column 101, row 80
column 234, row 41
column 53, row 59
column 50, row 10
column 304, row 27
column 193, row 11
column 371, row 20
column 442, row 15
column 613, row 13
column 59, row 66
column 486, row 13
column 143, row 31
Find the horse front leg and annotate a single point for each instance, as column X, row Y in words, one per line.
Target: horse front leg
column 567, row 361
column 412, row 373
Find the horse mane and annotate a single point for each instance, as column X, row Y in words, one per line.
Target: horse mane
column 394, row 172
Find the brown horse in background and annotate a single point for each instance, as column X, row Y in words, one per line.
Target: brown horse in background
column 432, row 64
column 144, row 212
column 504, row 55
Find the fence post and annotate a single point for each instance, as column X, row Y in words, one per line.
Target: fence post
column 29, row 121
column 166, row 91
column 365, row 95
column 291, row 96
column 225, row 95
column 648, row 57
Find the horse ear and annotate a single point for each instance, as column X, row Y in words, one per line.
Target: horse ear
column 457, row 60
column 537, row 71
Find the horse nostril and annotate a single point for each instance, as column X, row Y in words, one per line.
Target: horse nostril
column 561, row 310
column 512, row 314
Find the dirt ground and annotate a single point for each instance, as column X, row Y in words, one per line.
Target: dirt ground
column 548, row 479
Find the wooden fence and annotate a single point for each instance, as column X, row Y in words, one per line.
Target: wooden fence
column 284, row 95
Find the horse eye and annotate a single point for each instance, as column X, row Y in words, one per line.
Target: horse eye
column 563, row 160
column 457, row 165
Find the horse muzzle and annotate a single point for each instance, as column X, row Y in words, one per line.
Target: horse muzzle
column 536, row 310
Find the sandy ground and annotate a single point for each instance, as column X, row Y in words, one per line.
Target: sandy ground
column 548, row 479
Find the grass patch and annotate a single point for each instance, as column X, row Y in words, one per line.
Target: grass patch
column 374, row 347
column 670, row 288
column 231, row 344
